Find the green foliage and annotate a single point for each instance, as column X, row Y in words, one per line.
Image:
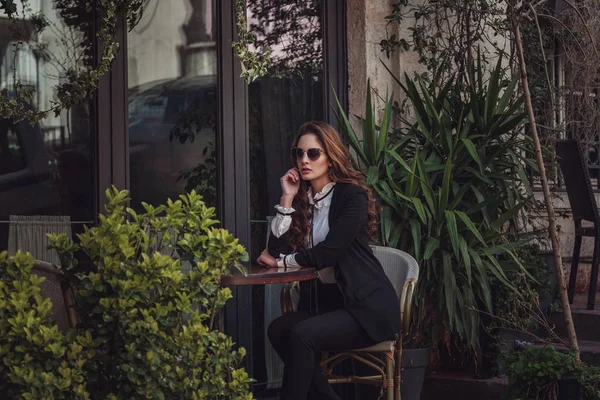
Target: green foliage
column 520, row 309
column 533, row 373
column 148, row 304
column 589, row 377
column 372, row 149
column 254, row 63
column 78, row 84
column 452, row 193
column 38, row 361
column 203, row 177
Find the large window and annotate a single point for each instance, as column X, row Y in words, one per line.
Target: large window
column 172, row 106
column 46, row 169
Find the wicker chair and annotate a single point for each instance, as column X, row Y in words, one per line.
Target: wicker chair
column 583, row 207
column 403, row 272
column 62, row 311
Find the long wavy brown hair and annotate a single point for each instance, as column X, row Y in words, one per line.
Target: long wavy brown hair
column 341, row 170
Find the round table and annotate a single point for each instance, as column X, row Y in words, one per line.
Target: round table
column 258, row 275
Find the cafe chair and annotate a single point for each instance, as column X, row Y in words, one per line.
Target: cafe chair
column 584, row 208
column 384, row 358
column 63, row 312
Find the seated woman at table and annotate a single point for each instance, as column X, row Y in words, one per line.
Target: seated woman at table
column 325, row 219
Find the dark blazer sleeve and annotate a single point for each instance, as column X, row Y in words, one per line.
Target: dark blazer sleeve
column 279, row 245
column 351, row 218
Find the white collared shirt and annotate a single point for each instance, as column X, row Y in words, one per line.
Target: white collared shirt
column 320, row 221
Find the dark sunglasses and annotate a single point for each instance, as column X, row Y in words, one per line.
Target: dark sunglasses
column 313, row 154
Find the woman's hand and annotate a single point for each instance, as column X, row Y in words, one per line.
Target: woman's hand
column 290, row 182
column 267, row 260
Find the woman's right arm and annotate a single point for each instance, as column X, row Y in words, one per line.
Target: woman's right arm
column 279, row 233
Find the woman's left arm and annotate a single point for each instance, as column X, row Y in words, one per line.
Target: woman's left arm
column 341, row 234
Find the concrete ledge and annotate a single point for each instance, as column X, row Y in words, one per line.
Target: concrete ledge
column 464, row 387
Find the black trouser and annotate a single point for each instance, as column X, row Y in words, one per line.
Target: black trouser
column 299, row 337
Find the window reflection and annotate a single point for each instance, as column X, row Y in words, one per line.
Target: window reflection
column 290, row 94
column 172, row 101
column 45, row 168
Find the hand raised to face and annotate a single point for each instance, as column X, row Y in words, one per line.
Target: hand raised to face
column 290, row 182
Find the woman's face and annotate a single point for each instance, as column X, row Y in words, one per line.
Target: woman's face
column 314, row 171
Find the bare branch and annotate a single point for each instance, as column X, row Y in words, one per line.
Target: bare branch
column 567, row 29
column 584, row 24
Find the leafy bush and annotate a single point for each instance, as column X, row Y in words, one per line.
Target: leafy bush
column 452, row 184
column 534, row 372
column 38, row 361
column 151, row 324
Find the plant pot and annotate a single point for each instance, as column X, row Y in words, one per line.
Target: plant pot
column 414, row 365
column 569, row 388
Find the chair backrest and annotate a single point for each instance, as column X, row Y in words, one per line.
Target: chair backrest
column 577, row 180
column 51, row 289
column 398, row 266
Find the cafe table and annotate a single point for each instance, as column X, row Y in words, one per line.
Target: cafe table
column 258, row 275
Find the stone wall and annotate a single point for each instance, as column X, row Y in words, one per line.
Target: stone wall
column 366, row 28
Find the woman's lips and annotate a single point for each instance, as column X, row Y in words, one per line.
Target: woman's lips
column 305, row 170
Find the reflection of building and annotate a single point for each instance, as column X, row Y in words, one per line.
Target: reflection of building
column 199, row 54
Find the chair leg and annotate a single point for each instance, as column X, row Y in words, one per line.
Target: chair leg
column 389, row 378
column 574, row 266
column 594, row 276
column 398, row 372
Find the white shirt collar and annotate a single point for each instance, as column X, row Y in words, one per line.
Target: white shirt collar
column 324, row 192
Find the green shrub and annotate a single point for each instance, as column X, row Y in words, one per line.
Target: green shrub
column 533, row 374
column 151, row 325
column 38, row 361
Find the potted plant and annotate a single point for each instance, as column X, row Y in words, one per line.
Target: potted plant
column 543, row 373
column 451, row 183
column 147, row 306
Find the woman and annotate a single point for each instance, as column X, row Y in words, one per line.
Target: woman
column 324, row 220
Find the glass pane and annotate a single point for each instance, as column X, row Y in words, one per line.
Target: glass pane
column 291, row 94
column 172, row 64
column 46, row 169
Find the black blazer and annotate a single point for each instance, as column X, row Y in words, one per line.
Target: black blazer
column 368, row 294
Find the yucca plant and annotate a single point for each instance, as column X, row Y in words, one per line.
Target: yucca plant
column 371, row 145
column 454, row 186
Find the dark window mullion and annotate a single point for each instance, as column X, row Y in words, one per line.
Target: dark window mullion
column 233, row 182
column 335, row 66
column 112, row 139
